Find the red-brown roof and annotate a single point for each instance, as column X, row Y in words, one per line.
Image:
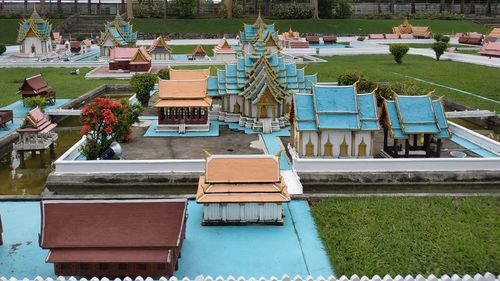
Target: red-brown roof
column 153, row 255
column 112, row 223
column 35, row 83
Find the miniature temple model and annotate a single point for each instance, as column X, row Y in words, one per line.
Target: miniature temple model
column 334, row 121
column 494, row 35
column 183, row 104
column 129, row 59
column 242, row 189
column 292, row 39
column 36, row 132
column 34, row 36
column 117, row 33
column 256, row 90
column 259, row 30
column 419, row 117
column 85, row 46
column 37, row 86
column 416, row 31
column 224, row 52
column 113, row 238
column 6, row 116
column 159, row 50
column 198, row 53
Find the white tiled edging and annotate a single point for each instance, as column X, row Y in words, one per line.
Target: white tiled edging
column 478, row 277
column 67, row 164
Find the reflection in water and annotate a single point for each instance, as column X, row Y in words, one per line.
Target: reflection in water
column 26, row 174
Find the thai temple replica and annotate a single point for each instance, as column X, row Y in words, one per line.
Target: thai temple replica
column 224, row 52
column 129, row 60
column 112, row 237
column 183, row 103
column 418, row 121
column 238, row 189
column 34, row 36
column 256, row 90
column 333, row 121
column 117, row 33
column 159, row 49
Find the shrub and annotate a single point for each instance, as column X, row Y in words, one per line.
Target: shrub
column 325, row 9
column 129, row 115
column 350, row 77
column 152, row 9
column 292, row 11
column 143, row 84
column 398, row 51
column 361, row 38
column 445, row 39
column 237, row 11
column 407, row 88
column 164, row 73
column 35, row 101
column 439, row 48
column 2, row 49
column 343, row 9
column 80, row 38
column 184, row 8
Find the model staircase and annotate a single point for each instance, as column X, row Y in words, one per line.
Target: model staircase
column 182, row 128
column 83, row 25
column 266, row 126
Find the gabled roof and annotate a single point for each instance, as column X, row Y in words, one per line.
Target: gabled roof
column 130, row 54
column 335, row 107
column 251, row 31
column 189, row 74
column 223, row 47
column 36, row 83
column 199, row 51
column 495, row 32
column 159, row 42
column 125, row 224
column 406, row 115
column 86, row 42
column 183, row 93
column 36, row 26
column 119, row 31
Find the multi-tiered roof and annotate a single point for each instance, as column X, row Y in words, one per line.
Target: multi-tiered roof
column 251, row 32
column 36, row 26
column 120, row 31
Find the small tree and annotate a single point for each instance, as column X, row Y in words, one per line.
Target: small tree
column 2, row 49
column 439, row 48
column 129, row 114
column 398, row 51
column 164, row 73
column 350, row 77
column 143, row 84
column 35, row 101
column 184, row 8
column 343, row 9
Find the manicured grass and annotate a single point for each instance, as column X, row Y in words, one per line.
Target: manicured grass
column 65, row 85
column 410, row 235
column 188, row 49
column 8, row 29
column 480, row 80
column 334, row 26
column 428, row 46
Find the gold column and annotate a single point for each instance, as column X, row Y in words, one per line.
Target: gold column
column 319, row 142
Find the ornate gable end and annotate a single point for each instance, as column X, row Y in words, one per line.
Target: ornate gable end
column 266, row 97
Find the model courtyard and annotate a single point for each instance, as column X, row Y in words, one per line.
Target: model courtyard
column 248, row 149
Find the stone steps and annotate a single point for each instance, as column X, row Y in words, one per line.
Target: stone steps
column 83, row 25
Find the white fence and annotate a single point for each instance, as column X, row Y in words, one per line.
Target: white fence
column 68, row 164
column 477, row 277
column 475, row 138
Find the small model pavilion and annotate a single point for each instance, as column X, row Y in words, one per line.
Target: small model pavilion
column 198, row 53
column 37, row 86
column 117, row 33
column 416, row 31
column 34, row 36
column 224, row 52
column 159, row 49
column 334, row 121
column 183, row 103
column 129, row 59
column 419, row 121
column 242, row 189
column 117, row 238
column 252, row 32
column 36, row 132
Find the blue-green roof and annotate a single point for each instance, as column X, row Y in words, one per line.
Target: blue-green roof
column 41, row 27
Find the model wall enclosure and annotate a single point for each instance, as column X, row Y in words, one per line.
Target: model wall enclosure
column 214, row 213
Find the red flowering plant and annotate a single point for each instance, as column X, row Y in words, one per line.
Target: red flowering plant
column 104, row 121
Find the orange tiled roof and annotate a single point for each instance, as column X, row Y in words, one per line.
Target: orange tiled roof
column 189, row 74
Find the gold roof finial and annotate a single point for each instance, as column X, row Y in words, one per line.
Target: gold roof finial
column 278, row 154
column 206, row 154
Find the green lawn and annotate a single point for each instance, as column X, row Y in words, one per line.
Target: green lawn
column 334, row 26
column 188, row 49
column 480, row 80
column 410, row 235
column 428, row 46
column 65, row 85
column 8, row 29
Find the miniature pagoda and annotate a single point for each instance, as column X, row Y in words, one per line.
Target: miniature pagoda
column 238, row 189
column 113, row 237
column 183, row 104
column 34, row 36
column 198, row 53
column 159, row 50
column 416, row 31
column 85, row 46
column 117, row 33
column 256, row 90
column 224, row 52
column 36, row 132
column 419, row 121
column 334, row 121
column 129, row 60
column 37, row 86
column 252, row 32
column 292, row 39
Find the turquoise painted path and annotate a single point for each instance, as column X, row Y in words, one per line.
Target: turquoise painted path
column 472, row 146
column 20, row 112
column 249, row 251
column 274, row 145
column 213, row 132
